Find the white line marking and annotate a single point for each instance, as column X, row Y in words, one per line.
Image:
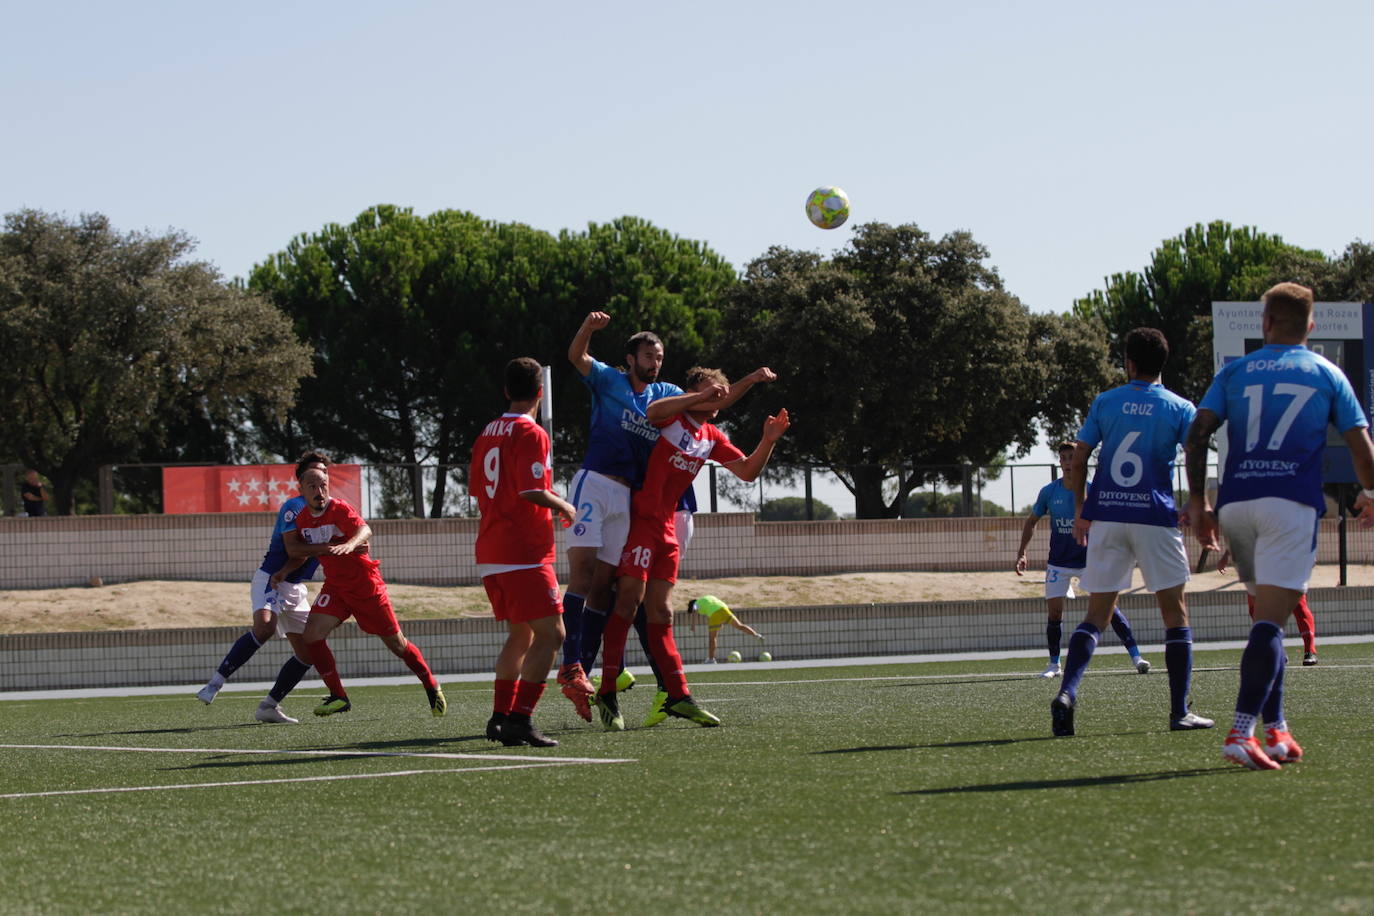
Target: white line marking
column 310, row 753
column 517, row 763
column 268, row 782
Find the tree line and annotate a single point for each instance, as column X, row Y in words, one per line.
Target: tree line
column 383, row 340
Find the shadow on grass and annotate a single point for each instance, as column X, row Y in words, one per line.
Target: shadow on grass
column 289, row 757
column 185, row 730
column 981, row 742
column 1121, row 779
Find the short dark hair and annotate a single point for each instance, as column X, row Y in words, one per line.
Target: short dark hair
column 640, row 340
column 1148, row 349
column 309, row 460
column 1289, row 306
column 698, row 374
column 524, row 377
column 1066, row 446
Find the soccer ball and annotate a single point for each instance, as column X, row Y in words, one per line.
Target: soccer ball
column 827, row 207
column 734, row 657
column 765, row 656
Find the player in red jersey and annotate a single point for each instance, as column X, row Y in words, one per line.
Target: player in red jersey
column 511, row 478
column 648, row 567
column 333, row 530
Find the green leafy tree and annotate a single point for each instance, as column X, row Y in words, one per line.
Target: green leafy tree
column 121, row 343
column 899, row 354
column 1348, row 278
column 793, row 509
column 412, row 320
column 1174, row 293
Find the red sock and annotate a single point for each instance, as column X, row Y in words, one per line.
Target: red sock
column 1250, row 603
column 1307, row 626
column 664, row 649
column 613, row 650
column 416, row 662
column 325, row 667
column 503, row 697
column 527, row 694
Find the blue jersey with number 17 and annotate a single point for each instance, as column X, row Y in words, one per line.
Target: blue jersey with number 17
column 1140, row 426
column 1276, row 403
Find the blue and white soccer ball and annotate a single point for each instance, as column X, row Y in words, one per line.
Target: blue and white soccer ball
column 827, row 207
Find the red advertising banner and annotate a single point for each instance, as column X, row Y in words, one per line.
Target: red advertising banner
column 248, row 487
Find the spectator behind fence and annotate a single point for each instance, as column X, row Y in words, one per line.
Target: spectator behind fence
column 34, row 495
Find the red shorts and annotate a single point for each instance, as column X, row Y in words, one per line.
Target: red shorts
column 524, row 594
column 651, row 552
column 372, row 611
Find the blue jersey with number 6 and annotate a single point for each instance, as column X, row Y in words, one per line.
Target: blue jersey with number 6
column 1140, row 426
column 1276, row 403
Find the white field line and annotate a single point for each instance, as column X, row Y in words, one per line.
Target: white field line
column 516, row 763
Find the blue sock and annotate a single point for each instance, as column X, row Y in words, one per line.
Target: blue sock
column 1054, row 632
column 1178, row 658
column 1081, row 646
column 239, row 653
column 1273, row 704
column 292, row 670
column 1259, row 666
column 1122, row 626
column 593, row 625
column 572, row 627
column 642, row 628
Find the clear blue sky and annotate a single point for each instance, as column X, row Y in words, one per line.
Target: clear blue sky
column 1069, row 138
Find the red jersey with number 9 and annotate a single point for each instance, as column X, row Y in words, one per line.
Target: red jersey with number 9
column 509, row 458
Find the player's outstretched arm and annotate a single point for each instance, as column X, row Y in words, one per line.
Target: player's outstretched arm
column 550, row 500
column 737, row 389
column 665, row 408
column 578, row 351
column 1027, row 530
column 750, row 467
column 1362, row 456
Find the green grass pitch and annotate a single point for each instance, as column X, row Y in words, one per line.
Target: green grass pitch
column 890, row 789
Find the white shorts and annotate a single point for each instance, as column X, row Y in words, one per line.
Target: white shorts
column 603, row 515
column 289, row 601
column 1116, row 548
column 1273, row 541
column 1057, row 581
column 683, row 524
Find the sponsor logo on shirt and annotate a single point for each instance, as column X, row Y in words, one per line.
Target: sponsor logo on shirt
column 685, row 462
column 537, row 470
column 632, row 422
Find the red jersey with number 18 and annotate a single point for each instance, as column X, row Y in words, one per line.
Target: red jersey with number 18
column 509, row 458
column 682, row 448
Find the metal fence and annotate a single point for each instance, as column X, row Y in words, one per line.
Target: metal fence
column 782, row 492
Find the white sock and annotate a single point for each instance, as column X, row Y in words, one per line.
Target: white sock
column 1245, row 724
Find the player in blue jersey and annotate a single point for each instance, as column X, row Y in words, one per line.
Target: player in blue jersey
column 1276, row 403
column 1066, row 561
column 279, row 598
column 1128, row 519
column 618, row 447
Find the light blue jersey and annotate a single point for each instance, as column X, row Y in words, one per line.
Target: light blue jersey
column 276, row 557
column 621, row 436
column 1140, row 427
column 1057, row 500
column 1276, row 403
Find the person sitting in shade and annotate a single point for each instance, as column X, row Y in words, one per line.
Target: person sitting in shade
column 717, row 614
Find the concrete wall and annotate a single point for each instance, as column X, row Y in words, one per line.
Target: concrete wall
column 188, row 656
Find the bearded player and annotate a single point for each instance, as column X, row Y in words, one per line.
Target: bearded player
column 648, row 567
column 511, row 478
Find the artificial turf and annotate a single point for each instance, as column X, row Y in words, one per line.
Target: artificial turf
column 885, row 789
